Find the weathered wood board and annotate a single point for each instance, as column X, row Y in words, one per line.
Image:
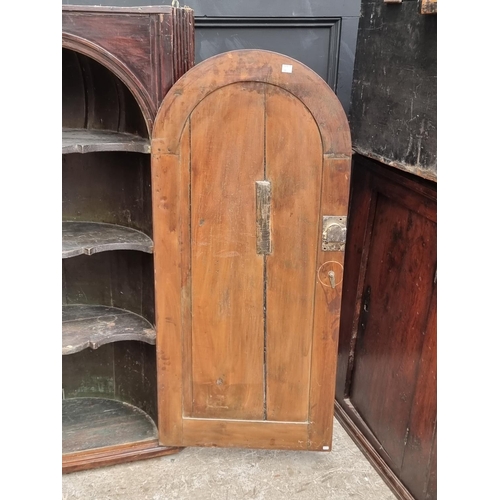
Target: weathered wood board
column 88, row 238
column 89, row 141
column 92, row 326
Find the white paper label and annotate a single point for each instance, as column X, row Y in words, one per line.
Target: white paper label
column 286, row 68
column 326, row 447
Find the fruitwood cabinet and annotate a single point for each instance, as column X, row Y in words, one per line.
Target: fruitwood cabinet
column 202, row 270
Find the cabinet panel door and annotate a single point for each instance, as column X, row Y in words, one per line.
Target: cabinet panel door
column 393, row 326
column 386, row 383
column 246, row 162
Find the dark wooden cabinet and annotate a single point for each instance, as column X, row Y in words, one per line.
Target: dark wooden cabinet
column 386, row 378
column 146, row 48
column 117, row 65
column 386, row 373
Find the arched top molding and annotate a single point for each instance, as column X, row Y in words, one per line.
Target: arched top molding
column 252, row 66
column 118, row 68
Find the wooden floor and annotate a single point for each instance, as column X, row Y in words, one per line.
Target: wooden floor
column 90, row 423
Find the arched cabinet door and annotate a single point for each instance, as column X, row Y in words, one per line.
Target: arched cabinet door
column 251, row 158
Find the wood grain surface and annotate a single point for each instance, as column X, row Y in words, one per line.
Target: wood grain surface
column 247, row 338
column 294, row 168
column 227, row 272
column 146, row 48
column 386, row 377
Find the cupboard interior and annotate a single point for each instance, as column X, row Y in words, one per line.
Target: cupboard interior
column 109, row 357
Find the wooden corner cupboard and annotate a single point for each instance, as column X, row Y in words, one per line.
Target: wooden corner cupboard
column 117, row 65
column 203, row 243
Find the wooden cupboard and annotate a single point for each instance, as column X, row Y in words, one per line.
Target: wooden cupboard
column 203, row 243
column 386, row 379
column 117, row 65
column 386, row 394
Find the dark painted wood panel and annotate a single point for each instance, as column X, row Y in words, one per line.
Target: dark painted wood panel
column 128, row 35
column 135, row 375
column 74, row 97
column 221, row 24
column 111, row 187
column 94, row 98
column 118, row 279
column 89, row 423
column 394, row 108
column 124, row 371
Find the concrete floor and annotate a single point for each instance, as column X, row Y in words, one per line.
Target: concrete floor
column 227, row 474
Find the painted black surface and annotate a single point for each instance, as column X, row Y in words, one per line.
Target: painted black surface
column 394, row 111
column 314, row 42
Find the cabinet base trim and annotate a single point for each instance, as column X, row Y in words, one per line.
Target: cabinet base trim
column 384, row 471
column 92, row 459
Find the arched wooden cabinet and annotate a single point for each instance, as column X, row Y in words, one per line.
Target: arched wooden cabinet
column 202, row 270
column 117, row 65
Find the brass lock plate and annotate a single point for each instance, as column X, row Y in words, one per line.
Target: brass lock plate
column 334, row 233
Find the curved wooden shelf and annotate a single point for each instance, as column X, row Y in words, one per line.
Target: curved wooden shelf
column 76, row 140
column 87, row 238
column 90, row 423
column 92, row 326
